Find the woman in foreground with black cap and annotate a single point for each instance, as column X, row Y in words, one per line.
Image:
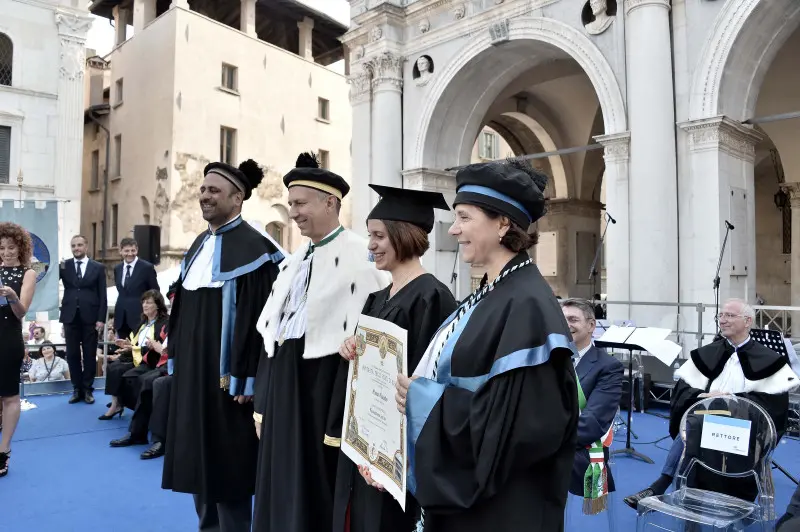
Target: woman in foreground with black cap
column 416, row 301
column 493, row 405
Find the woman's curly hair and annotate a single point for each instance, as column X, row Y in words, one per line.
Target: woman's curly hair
column 21, row 238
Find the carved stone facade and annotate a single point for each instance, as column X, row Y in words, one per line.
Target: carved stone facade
column 723, row 134
column 650, row 80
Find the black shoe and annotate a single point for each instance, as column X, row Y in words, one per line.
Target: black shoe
column 89, row 397
column 106, row 417
column 155, row 450
column 633, row 500
column 108, row 405
column 76, row 397
column 127, row 441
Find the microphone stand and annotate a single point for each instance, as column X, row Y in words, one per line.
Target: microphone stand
column 593, row 269
column 728, row 228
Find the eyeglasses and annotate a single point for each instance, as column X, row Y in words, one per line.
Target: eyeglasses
column 728, row 316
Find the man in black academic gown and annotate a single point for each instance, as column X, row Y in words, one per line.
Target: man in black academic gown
column 315, row 305
column 214, row 350
column 728, row 366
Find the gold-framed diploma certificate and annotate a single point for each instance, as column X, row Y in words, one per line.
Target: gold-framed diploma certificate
column 374, row 430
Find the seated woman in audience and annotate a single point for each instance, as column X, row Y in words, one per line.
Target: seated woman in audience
column 49, row 367
column 27, row 364
column 142, row 349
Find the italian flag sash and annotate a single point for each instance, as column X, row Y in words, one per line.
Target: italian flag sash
column 595, row 480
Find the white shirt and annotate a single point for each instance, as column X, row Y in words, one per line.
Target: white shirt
column 731, row 380
column 125, row 267
column 577, row 359
column 200, row 271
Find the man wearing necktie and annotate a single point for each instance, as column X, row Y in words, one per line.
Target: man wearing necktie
column 83, row 313
column 132, row 277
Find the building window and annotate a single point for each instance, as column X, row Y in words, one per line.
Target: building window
column 119, row 91
column 323, row 109
column 118, row 156
column 95, row 185
column 487, row 145
column 94, row 240
column 230, row 76
column 114, row 225
column 325, row 159
column 6, row 60
column 275, row 230
column 786, row 222
column 5, row 153
column 227, row 145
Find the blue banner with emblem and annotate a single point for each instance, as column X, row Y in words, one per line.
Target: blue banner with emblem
column 40, row 219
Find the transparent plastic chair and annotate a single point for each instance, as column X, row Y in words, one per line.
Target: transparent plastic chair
column 728, row 490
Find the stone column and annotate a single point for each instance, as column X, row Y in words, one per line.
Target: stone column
column 72, row 30
column 442, row 256
column 361, row 143
column 180, row 3
column 248, row 17
column 793, row 190
column 144, row 12
column 305, row 49
column 387, row 89
column 121, row 19
column 653, row 202
column 617, row 251
column 718, row 186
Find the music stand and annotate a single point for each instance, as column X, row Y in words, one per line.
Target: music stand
column 774, row 340
column 628, row 450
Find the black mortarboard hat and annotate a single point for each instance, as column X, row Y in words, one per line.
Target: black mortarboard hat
column 512, row 188
column 246, row 178
column 307, row 173
column 405, row 205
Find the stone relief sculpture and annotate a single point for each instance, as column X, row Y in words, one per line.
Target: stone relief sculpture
column 600, row 20
column 423, row 70
column 460, row 11
column 424, row 25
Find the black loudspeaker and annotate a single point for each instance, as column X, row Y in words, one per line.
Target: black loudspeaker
column 149, row 239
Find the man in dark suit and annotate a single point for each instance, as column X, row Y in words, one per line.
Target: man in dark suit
column 600, row 377
column 132, row 277
column 83, row 313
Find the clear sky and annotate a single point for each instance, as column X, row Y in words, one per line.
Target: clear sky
column 101, row 35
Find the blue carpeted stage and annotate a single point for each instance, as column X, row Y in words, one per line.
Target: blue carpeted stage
column 64, row 477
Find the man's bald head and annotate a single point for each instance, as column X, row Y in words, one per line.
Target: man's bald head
column 736, row 318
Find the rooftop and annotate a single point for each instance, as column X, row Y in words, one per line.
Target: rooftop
column 276, row 22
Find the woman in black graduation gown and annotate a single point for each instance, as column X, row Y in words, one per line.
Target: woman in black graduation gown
column 493, row 405
column 416, row 301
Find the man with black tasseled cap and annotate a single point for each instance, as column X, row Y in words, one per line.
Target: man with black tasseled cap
column 313, row 308
column 214, row 351
column 492, row 407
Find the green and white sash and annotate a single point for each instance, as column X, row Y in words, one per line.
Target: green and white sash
column 595, row 480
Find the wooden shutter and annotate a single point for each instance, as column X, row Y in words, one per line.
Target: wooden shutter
column 5, row 153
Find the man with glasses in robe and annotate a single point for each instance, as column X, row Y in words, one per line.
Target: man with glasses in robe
column 733, row 365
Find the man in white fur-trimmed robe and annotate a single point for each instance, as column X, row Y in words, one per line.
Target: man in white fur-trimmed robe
column 734, row 365
column 314, row 306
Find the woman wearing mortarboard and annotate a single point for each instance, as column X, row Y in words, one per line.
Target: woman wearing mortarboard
column 415, row 301
column 493, row 405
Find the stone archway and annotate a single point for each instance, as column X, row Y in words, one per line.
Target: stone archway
column 747, row 34
column 442, row 138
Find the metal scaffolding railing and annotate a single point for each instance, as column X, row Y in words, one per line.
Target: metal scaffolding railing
column 693, row 324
